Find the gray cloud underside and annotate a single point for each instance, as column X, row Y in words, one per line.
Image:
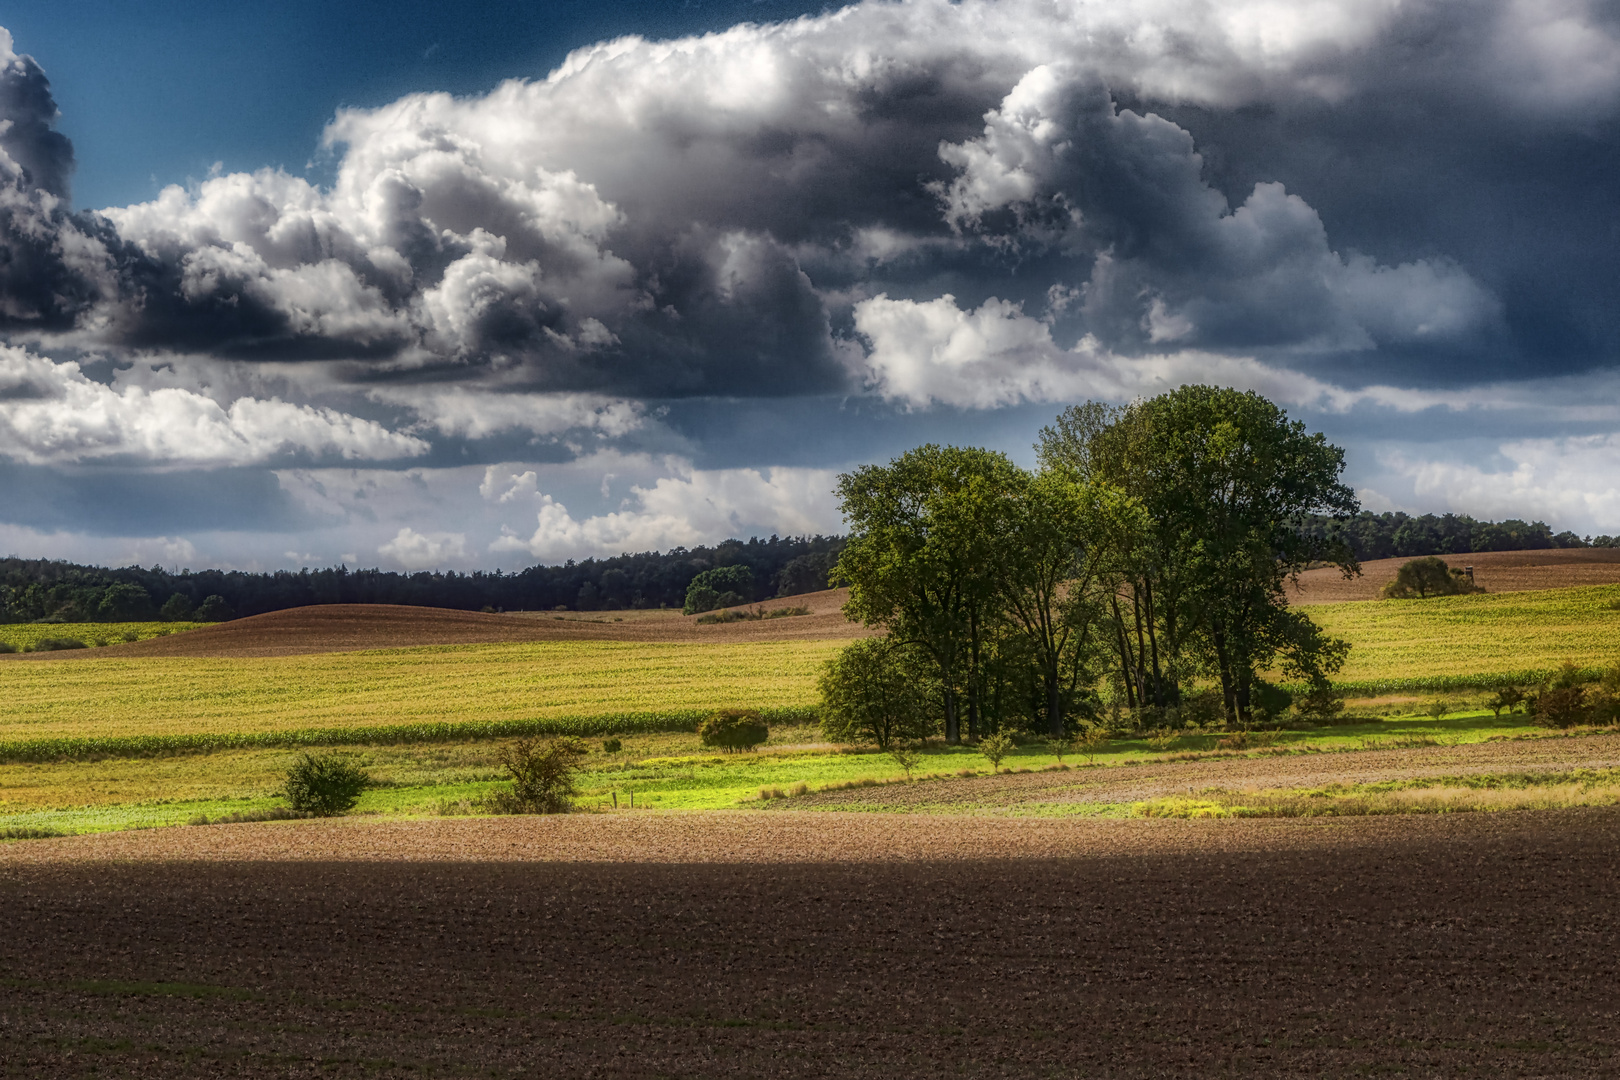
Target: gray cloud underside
column 704, row 216
column 1398, row 216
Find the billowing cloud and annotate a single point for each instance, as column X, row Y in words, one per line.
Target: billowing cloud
column 1362, row 209
column 692, row 507
column 52, row 413
column 411, row 550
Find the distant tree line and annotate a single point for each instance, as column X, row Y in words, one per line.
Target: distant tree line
column 36, row 589
column 1398, row 535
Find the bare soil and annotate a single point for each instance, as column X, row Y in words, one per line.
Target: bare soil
column 350, row 627
column 817, row 945
column 1157, row 779
column 1496, row 571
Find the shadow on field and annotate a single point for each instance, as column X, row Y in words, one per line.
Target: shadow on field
column 1483, row 948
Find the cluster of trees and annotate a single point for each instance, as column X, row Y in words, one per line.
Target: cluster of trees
column 1148, row 550
column 35, row 589
column 1401, row 536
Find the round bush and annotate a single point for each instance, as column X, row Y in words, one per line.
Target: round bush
column 733, row 729
column 325, row 786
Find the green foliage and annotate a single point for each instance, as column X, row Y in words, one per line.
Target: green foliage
column 907, row 755
column 718, row 587
column 58, row 644
column 1268, row 700
column 996, row 747
column 214, row 609
column 733, row 729
column 124, row 602
column 1427, row 577
column 612, row 746
column 1507, row 697
column 544, row 776
column 326, row 785
column 177, row 608
column 1321, row 702
column 7, row 647
column 1438, row 708
column 870, row 692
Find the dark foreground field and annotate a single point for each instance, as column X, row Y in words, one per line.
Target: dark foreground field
column 1475, row 944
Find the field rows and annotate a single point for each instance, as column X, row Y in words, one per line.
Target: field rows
column 485, row 684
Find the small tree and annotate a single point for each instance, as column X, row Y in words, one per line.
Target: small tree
column 176, row 608
column 870, row 693
column 1321, row 702
column 996, row 747
column 906, row 755
column 722, row 586
column 543, row 776
column 1429, row 576
column 324, row 786
column 1509, row 698
column 733, row 729
column 214, row 609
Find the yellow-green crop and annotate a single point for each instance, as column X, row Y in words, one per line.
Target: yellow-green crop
column 107, row 697
column 24, row 636
column 1518, row 633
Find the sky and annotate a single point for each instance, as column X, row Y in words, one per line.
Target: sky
column 431, row 286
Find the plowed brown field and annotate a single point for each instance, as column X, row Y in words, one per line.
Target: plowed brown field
column 1496, row 571
column 349, row 627
column 819, row 945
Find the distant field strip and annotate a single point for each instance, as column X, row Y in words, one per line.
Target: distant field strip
column 22, row 636
column 121, row 706
column 1452, row 642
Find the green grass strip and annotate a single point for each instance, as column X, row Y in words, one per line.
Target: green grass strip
column 1440, row 684
column 80, row 748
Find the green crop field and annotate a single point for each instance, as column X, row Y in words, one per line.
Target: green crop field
column 1452, row 641
column 24, row 636
column 202, row 704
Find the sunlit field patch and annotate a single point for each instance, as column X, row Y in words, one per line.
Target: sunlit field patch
column 26, row 636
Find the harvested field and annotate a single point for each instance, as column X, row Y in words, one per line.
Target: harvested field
column 817, row 945
column 1496, row 571
column 354, row 627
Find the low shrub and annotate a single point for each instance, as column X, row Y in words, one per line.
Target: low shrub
column 906, row 755
column 237, row 817
column 7, row 647
column 325, row 786
column 996, row 747
column 27, row 832
column 58, row 644
column 612, row 746
column 733, row 729
column 1322, row 702
column 543, row 776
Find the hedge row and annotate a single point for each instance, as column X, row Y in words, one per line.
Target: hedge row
column 71, row 748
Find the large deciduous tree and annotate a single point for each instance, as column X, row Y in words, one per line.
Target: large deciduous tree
column 921, row 552
column 1228, row 482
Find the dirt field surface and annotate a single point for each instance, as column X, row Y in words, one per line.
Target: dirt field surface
column 1155, row 779
column 1459, row 945
column 1497, row 571
column 350, row 627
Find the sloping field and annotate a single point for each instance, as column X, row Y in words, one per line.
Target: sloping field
column 110, row 696
column 351, row 627
column 1479, row 634
column 1496, row 571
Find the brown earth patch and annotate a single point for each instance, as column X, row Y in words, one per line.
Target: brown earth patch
column 350, row 627
column 1154, row 779
column 1477, row 944
column 1496, row 571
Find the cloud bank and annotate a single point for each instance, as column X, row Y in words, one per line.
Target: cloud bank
column 1360, row 208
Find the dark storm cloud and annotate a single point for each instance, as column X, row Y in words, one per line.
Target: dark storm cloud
column 1397, row 193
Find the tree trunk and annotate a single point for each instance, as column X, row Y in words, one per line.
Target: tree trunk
column 1153, row 642
column 1124, row 653
column 975, row 676
column 1054, row 704
column 953, row 729
column 1228, row 691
